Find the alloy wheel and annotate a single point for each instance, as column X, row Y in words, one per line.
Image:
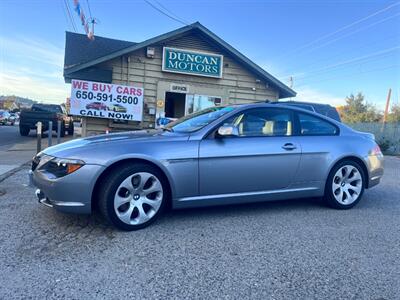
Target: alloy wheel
column 138, row 198
column 347, row 185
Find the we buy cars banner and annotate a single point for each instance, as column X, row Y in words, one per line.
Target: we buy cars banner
column 106, row 100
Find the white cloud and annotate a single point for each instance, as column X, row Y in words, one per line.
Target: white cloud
column 34, row 50
column 33, row 69
column 33, row 88
column 308, row 94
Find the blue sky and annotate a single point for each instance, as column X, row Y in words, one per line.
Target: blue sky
column 331, row 47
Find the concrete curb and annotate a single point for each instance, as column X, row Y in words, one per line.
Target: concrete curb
column 13, row 171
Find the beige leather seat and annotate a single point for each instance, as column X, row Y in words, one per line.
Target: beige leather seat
column 277, row 128
column 268, row 128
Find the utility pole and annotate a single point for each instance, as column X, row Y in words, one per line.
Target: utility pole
column 291, row 84
column 387, row 105
column 93, row 21
column 386, row 109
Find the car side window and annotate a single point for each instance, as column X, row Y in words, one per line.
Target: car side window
column 263, row 122
column 310, row 125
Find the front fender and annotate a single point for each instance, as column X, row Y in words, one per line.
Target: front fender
column 144, row 158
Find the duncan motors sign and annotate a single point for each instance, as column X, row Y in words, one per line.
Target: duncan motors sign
column 106, row 100
column 192, row 62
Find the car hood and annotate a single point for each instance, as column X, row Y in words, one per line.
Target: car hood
column 110, row 143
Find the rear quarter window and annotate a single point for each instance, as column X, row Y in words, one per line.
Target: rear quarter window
column 310, row 125
column 333, row 114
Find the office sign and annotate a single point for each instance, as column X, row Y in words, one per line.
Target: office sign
column 179, row 88
column 192, row 62
column 106, row 100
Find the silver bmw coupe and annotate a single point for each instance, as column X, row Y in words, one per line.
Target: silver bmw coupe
column 220, row 155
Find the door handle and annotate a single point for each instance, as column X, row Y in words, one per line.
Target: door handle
column 289, row 146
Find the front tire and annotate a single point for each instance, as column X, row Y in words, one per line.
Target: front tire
column 345, row 185
column 62, row 132
column 133, row 196
column 71, row 129
column 24, row 130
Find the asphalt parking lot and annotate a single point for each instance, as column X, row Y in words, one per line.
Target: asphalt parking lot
column 296, row 249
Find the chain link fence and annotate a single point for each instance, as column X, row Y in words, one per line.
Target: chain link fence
column 387, row 136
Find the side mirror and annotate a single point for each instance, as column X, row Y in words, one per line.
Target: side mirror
column 228, row 130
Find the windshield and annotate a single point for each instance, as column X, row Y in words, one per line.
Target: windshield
column 199, row 119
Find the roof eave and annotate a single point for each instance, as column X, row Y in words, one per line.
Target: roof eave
column 284, row 91
column 129, row 49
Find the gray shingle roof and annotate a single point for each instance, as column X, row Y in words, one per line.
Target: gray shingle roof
column 83, row 53
column 79, row 49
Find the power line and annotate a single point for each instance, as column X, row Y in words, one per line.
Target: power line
column 69, row 14
column 350, row 75
column 352, row 24
column 65, row 14
column 340, row 54
column 164, row 13
column 359, row 68
column 346, row 64
column 353, row 32
column 350, row 61
column 369, row 58
column 342, row 28
column 90, row 12
column 93, row 21
column 167, row 10
column 346, row 35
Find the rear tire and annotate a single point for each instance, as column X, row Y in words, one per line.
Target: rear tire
column 24, row 130
column 133, row 196
column 345, row 185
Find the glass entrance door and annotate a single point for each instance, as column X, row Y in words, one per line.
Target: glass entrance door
column 195, row 102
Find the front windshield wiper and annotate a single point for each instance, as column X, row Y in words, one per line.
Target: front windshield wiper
column 167, row 129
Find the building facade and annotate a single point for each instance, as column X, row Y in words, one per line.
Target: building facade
column 180, row 72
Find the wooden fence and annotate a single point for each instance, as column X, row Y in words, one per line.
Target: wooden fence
column 388, row 136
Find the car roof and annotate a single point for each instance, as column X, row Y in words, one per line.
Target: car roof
column 45, row 104
column 266, row 104
column 290, row 107
column 300, row 102
column 320, row 108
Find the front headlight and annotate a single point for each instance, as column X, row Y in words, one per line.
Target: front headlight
column 60, row 167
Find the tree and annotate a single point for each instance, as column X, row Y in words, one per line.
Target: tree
column 357, row 111
column 394, row 115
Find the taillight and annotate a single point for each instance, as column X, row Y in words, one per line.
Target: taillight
column 376, row 150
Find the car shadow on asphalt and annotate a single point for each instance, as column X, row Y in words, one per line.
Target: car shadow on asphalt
column 253, row 207
column 204, row 214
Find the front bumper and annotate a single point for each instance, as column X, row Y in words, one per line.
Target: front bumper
column 71, row 193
